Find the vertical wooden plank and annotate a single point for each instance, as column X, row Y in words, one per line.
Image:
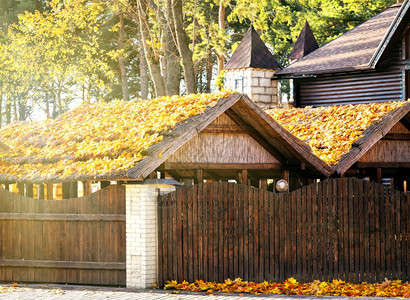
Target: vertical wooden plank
column 66, row 190
column 282, row 228
column 251, row 235
column 221, row 231
column 240, row 198
column 205, row 232
column 350, row 203
column 303, row 236
column 40, row 191
column 312, row 189
column 398, row 238
column 356, row 227
column 366, row 231
column 330, row 230
column 173, row 233
column 246, row 226
column 225, row 230
column 29, row 190
column 160, row 277
column 372, row 232
column 190, row 233
column 377, row 205
column 211, row 232
column 259, row 231
column 361, row 216
column 235, row 229
column 178, row 198
column 272, row 237
column 200, row 231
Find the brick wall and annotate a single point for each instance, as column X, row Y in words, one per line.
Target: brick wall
column 256, row 83
column 141, row 233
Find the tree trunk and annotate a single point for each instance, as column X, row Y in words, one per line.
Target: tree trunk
column 171, row 55
column 124, row 81
column 209, row 66
column 183, row 47
column 152, row 59
column 143, row 75
column 222, row 26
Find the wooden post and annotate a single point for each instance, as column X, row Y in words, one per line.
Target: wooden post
column 20, row 187
column 245, row 177
column 263, row 184
column 86, row 188
column 74, row 189
column 7, row 187
column 379, row 175
column 199, row 176
column 40, row 191
column 66, row 190
column 50, row 188
column 29, row 190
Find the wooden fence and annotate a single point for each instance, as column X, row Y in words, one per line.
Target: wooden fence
column 337, row 229
column 79, row 240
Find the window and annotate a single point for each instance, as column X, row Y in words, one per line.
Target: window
column 239, row 84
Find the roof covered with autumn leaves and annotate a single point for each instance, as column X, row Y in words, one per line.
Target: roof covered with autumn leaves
column 101, row 140
column 333, row 132
column 128, row 140
column 122, row 140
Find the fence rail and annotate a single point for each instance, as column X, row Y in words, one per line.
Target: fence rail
column 337, row 229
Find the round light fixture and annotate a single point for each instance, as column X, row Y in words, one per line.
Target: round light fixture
column 282, row 185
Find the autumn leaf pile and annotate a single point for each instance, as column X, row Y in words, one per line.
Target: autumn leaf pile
column 331, row 131
column 292, row 287
column 94, row 140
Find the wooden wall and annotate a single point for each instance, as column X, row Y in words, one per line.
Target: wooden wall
column 222, row 142
column 361, row 87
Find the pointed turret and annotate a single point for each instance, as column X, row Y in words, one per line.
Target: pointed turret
column 305, row 43
column 251, row 68
column 252, row 53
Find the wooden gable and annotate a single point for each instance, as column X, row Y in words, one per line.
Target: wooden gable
column 393, row 150
column 223, row 142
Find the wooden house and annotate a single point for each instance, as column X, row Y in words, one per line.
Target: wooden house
column 366, row 64
column 202, row 137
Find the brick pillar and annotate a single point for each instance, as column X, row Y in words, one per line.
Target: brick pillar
column 142, row 234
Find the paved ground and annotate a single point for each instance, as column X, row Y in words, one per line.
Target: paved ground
column 70, row 292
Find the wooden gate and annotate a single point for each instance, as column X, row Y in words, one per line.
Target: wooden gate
column 337, row 229
column 79, row 240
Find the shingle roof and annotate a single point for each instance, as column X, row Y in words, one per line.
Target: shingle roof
column 354, row 50
column 305, row 44
column 252, row 53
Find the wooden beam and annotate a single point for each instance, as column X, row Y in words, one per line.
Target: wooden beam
column 62, row 264
column 383, row 165
column 397, row 136
column 104, row 184
column 225, row 129
column 62, row 217
column 217, row 166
